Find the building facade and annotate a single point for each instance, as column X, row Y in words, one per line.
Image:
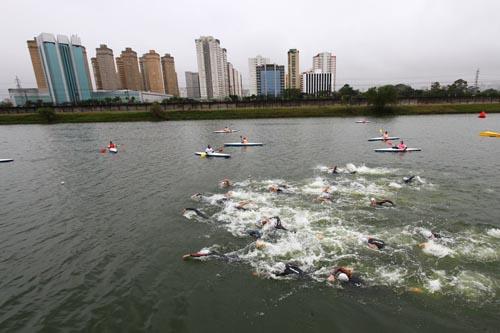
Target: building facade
column 212, row 68
column 235, row 87
column 192, row 85
column 293, row 76
column 270, row 80
column 97, row 73
column 105, row 69
column 326, row 62
column 151, row 72
column 252, row 72
column 128, row 70
column 36, row 61
column 65, row 68
column 316, row 83
column 169, row 75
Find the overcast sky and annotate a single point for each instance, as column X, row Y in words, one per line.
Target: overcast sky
column 376, row 41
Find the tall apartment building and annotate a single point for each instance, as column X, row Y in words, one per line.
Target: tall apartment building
column 128, row 70
column 235, row 87
column 326, row 62
column 65, row 68
column 252, row 71
column 169, row 75
column 192, row 85
column 36, row 61
column 293, row 76
column 105, row 70
column 212, row 68
column 151, row 72
column 314, row 83
column 270, row 80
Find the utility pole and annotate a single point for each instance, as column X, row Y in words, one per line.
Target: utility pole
column 476, row 80
column 18, row 86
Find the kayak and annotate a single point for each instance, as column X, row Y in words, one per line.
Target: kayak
column 393, row 150
column 362, row 121
column 222, row 131
column 239, row 144
column 491, row 134
column 380, row 138
column 113, row 150
column 5, row 160
column 204, row 154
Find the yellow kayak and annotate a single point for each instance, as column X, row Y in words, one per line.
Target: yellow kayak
column 490, row 134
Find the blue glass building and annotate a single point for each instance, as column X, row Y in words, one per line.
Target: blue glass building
column 270, row 80
column 65, row 68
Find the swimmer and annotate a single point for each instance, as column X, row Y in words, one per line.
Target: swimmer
column 197, row 211
column 429, row 234
column 408, row 180
column 292, row 269
column 383, row 202
column 242, row 204
column 345, row 275
column 206, row 253
column 197, row 196
column 375, row 244
column 325, row 196
column 277, row 224
column 333, row 170
column 225, row 183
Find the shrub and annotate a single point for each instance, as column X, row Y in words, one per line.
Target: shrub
column 47, row 114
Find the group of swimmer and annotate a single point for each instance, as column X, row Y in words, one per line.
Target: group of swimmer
column 342, row 275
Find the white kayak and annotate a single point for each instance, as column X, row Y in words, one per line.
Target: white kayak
column 239, row 144
column 381, row 138
column 5, row 160
column 223, row 132
column 362, row 121
column 204, row 154
column 395, row 150
column 113, row 150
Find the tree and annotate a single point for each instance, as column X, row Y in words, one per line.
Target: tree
column 47, row 114
column 404, row 90
column 458, row 88
column 292, row 94
column 381, row 96
column 347, row 90
column 157, row 112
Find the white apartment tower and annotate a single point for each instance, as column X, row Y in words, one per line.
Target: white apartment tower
column 212, row 68
column 252, row 69
column 326, row 62
column 235, row 87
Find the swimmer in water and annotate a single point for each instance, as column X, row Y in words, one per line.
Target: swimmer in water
column 206, row 253
column 333, row 169
column 197, row 211
column 325, row 196
column 277, row 224
column 197, row 196
column 292, row 269
column 383, row 202
column 345, row 276
column 242, row 205
column 375, row 244
column 254, row 233
column 225, row 183
column 408, row 180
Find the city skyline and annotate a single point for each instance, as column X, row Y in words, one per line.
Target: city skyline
column 387, row 42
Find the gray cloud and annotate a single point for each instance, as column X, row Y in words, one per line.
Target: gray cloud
column 375, row 41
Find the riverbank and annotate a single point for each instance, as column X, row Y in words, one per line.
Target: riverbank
column 291, row 112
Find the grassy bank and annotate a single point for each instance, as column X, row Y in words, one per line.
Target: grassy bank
column 327, row 111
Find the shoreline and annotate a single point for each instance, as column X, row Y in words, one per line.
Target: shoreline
column 251, row 113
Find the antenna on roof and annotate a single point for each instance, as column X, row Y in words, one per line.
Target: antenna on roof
column 18, row 83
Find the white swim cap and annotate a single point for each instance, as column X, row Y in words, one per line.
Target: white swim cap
column 372, row 199
column 343, row 277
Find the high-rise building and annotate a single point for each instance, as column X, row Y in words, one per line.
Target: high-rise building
column 293, row 79
column 36, row 61
column 128, row 70
column 169, row 75
column 270, row 80
column 192, row 85
column 314, row 83
column 234, row 76
column 65, row 68
column 105, row 70
column 326, row 62
column 97, row 73
column 212, row 68
column 151, row 72
column 252, row 70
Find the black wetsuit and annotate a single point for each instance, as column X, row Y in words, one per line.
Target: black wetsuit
column 278, row 224
column 198, row 212
column 382, row 202
column 377, row 242
column 292, row 269
column 254, row 233
column 408, row 179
